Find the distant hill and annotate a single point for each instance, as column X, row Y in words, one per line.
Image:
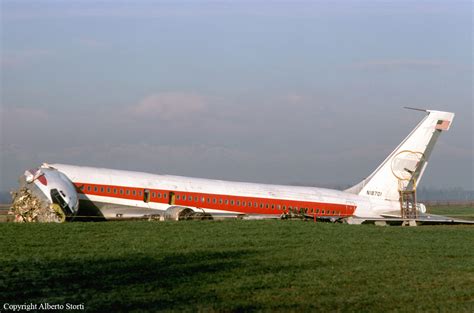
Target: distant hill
column 453, row 194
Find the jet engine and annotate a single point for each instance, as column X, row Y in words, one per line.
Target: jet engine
column 179, row 213
column 420, row 207
column 45, row 195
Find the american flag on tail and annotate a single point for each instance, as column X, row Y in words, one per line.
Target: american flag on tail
column 442, row 125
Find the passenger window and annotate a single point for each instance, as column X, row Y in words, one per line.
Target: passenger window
column 165, row 196
column 231, row 202
column 203, row 199
column 88, row 188
column 177, row 197
column 238, row 202
column 108, row 189
column 134, row 192
column 101, row 189
column 128, row 191
column 214, row 200
column 195, row 199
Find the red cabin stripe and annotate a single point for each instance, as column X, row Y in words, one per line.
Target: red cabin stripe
column 216, row 201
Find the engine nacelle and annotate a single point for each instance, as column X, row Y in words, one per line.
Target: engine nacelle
column 420, row 207
column 179, row 213
column 45, row 195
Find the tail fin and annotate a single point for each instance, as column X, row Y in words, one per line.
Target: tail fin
column 406, row 164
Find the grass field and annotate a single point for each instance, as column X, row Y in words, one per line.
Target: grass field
column 457, row 211
column 238, row 266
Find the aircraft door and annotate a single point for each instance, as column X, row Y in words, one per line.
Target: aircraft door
column 146, row 195
column 172, row 198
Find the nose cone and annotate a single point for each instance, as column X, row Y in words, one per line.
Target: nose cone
column 44, row 195
column 63, row 192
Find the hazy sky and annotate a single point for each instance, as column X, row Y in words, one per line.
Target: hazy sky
column 268, row 91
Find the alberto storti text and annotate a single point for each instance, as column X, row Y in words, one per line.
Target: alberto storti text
column 43, row 307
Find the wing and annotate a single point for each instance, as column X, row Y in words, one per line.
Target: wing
column 422, row 219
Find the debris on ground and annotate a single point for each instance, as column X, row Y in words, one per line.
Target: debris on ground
column 27, row 208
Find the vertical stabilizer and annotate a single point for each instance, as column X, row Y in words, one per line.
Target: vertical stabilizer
column 404, row 167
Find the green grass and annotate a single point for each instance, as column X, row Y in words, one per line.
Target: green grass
column 457, row 211
column 239, row 266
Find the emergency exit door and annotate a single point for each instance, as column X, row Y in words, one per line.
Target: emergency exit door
column 172, row 198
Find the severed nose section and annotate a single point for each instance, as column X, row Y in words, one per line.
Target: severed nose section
column 45, row 195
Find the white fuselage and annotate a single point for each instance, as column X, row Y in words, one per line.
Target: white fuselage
column 109, row 188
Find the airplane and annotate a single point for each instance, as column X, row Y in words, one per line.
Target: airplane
column 387, row 196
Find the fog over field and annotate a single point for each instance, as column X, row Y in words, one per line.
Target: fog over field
column 273, row 92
